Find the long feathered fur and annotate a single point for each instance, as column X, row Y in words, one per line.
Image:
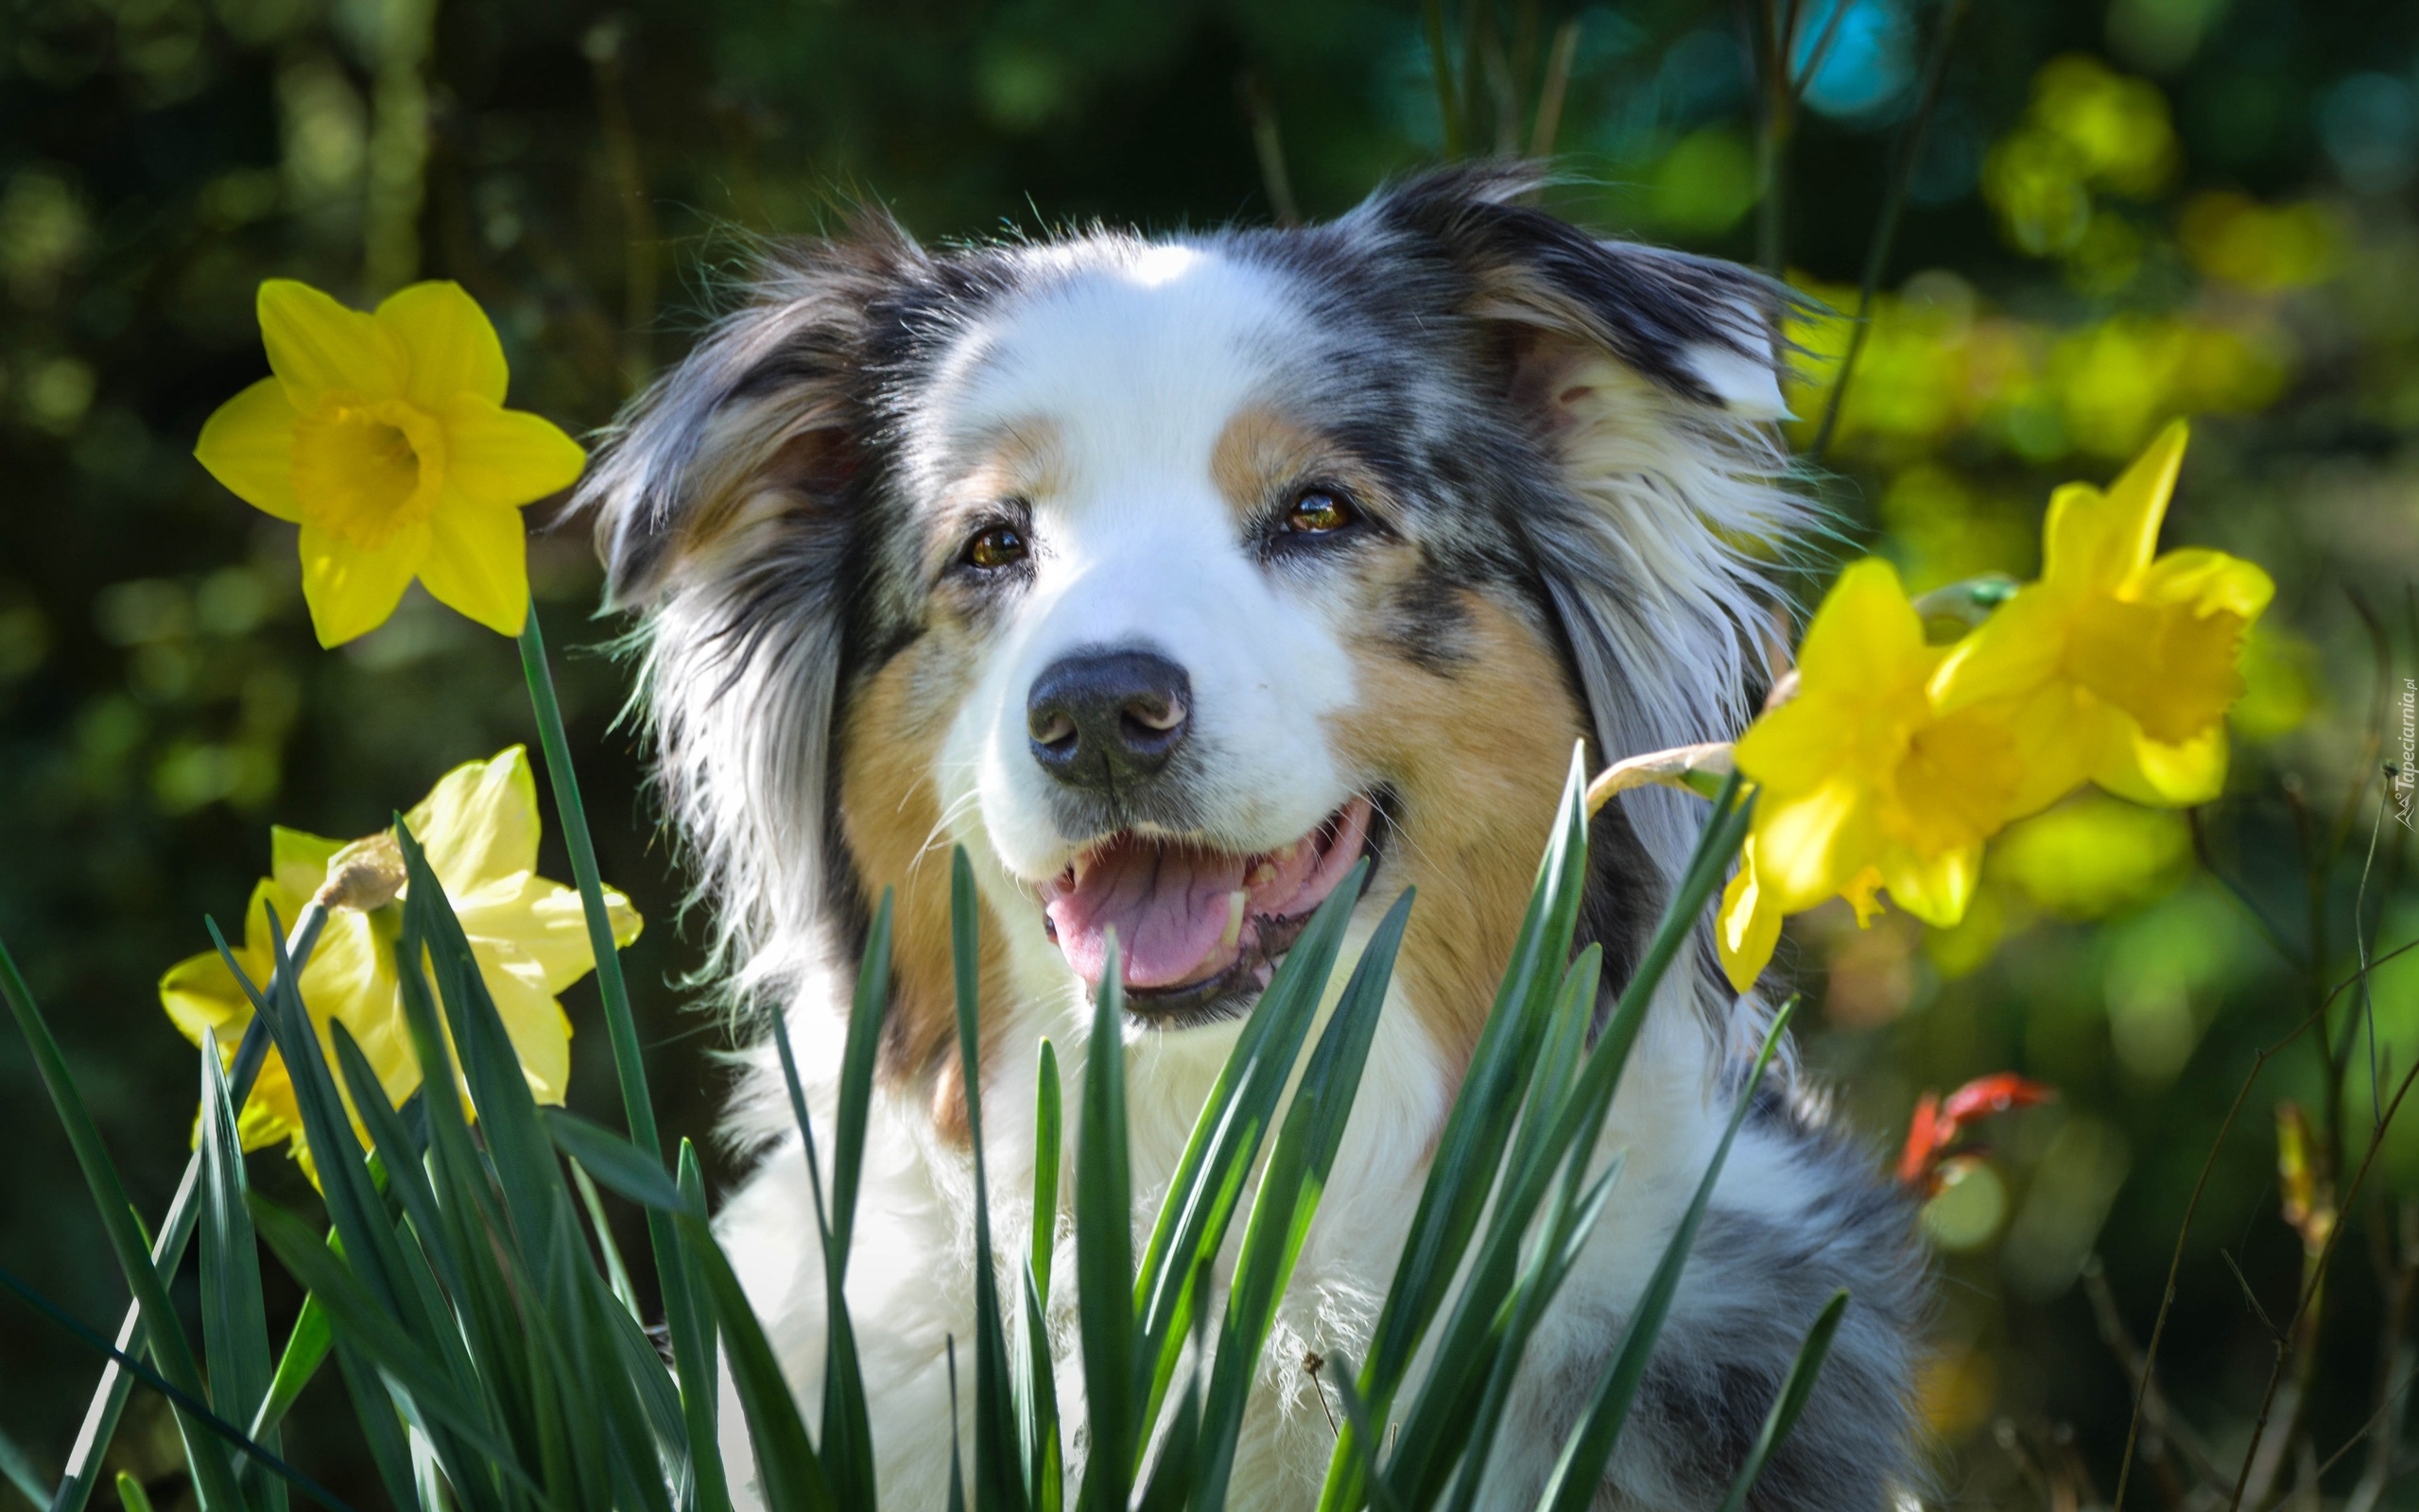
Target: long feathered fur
column 1619, row 404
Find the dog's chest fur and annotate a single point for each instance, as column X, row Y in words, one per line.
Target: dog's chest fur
column 1794, row 1218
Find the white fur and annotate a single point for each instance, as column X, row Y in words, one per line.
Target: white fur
column 1139, row 366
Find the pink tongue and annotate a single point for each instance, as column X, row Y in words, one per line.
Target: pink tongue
column 1168, row 904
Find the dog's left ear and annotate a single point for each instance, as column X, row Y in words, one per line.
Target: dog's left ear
column 1652, row 379
column 1705, row 331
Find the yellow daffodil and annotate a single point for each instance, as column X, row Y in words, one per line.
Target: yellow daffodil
column 2118, row 666
column 1747, row 928
column 479, row 826
column 385, row 438
column 1862, row 782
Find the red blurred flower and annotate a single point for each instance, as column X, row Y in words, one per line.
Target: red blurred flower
column 1939, row 1121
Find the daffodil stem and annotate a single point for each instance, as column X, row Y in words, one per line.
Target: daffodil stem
column 1885, row 231
column 630, row 1065
column 168, row 1250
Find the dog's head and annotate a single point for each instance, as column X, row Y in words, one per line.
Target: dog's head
column 1172, row 576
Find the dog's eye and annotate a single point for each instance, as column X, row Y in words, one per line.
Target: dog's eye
column 996, row 547
column 1320, row 512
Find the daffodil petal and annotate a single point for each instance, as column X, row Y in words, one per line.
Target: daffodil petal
column 299, row 861
column 351, row 591
column 2094, row 540
column 1748, row 928
column 547, row 924
column 2016, row 651
column 2059, row 733
column 1806, row 849
column 452, row 343
column 1933, row 889
column 1796, row 747
column 479, row 822
column 377, row 1025
column 478, row 563
column 1860, row 895
column 507, row 456
column 248, row 444
column 316, row 345
column 538, row 1027
column 2163, row 775
column 2208, row 582
column 349, row 967
column 199, row 993
column 1864, row 631
column 270, row 1113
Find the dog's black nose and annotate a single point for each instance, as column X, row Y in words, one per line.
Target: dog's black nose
column 1101, row 719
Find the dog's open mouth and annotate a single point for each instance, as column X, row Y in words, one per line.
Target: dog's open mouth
column 1195, row 923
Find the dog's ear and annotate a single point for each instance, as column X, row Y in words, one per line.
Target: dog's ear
column 764, row 419
column 1652, row 378
column 727, row 505
column 1705, row 331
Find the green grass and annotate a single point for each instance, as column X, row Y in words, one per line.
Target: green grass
column 465, row 1280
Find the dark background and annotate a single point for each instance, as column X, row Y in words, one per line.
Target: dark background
column 2119, row 212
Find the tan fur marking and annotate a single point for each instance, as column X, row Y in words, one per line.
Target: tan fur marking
column 1260, row 454
column 1477, row 761
column 890, row 820
column 1020, row 459
column 1259, row 451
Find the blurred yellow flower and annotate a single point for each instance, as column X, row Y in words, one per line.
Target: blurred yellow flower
column 2117, row 126
column 2281, row 683
column 1863, row 781
column 2232, row 236
column 2117, row 666
column 2087, row 129
column 480, row 829
column 2116, row 380
column 2094, row 855
column 385, row 438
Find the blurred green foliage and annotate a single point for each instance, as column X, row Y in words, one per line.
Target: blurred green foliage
column 2120, row 211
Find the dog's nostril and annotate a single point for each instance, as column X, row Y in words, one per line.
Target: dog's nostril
column 1156, row 716
column 1099, row 719
column 1053, row 727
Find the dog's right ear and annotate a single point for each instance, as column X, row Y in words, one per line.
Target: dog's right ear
column 727, row 505
column 760, row 427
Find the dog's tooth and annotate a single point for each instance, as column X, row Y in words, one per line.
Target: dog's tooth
column 1262, row 874
column 1233, row 934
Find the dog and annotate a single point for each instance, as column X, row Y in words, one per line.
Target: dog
column 1170, row 576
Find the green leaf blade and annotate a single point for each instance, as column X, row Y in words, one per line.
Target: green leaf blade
column 235, row 1324
column 787, row 1467
column 1104, row 1249
column 1796, row 1388
column 214, row 1477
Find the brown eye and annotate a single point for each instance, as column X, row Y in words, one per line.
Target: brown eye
column 996, row 547
column 1320, row 512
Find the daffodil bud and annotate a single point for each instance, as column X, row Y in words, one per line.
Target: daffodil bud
column 367, row 875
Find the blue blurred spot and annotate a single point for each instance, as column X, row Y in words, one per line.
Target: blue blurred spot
column 2370, row 123
column 1866, row 62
